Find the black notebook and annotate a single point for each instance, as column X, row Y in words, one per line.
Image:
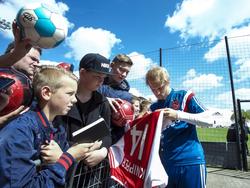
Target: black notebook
column 92, row 132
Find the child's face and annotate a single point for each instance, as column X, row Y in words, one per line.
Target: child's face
column 92, row 80
column 136, row 107
column 120, row 71
column 63, row 98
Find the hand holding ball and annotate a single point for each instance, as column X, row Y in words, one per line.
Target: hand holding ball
column 124, row 113
column 43, row 26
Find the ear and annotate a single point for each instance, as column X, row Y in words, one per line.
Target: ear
column 46, row 92
column 168, row 82
column 82, row 70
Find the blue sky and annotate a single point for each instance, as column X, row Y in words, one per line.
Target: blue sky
column 138, row 26
column 123, row 26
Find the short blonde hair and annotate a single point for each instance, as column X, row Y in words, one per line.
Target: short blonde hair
column 144, row 105
column 134, row 99
column 49, row 75
column 157, row 75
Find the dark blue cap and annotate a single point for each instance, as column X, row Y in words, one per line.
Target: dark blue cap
column 96, row 63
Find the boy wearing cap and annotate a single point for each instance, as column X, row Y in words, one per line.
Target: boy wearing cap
column 90, row 106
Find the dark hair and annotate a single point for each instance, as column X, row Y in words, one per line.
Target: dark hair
column 122, row 58
column 11, row 46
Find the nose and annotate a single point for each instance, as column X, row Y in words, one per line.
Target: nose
column 156, row 92
column 101, row 80
column 74, row 100
column 35, row 62
column 124, row 74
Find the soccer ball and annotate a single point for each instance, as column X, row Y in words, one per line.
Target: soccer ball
column 21, row 92
column 124, row 114
column 42, row 25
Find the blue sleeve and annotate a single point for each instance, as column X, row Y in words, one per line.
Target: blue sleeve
column 107, row 91
column 195, row 106
column 153, row 107
column 17, row 168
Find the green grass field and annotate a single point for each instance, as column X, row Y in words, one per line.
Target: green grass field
column 214, row 135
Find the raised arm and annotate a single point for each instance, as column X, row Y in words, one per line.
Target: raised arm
column 21, row 48
column 206, row 118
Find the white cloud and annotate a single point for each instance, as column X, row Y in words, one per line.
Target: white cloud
column 135, row 92
column 9, row 9
column 140, row 66
column 87, row 39
column 242, row 94
column 208, row 18
column 219, row 50
column 201, row 82
column 48, row 62
column 216, row 52
column 190, row 74
column 242, row 73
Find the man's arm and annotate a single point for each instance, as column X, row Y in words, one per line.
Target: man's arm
column 206, row 118
column 21, row 48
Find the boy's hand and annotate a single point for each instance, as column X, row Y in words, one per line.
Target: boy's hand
column 96, row 145
column 78, row 151
column 114, row 104
column 50, row 152
column 92, row 158
column 13, row 114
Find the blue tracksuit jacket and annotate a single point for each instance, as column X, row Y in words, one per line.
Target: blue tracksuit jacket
column 121, row 90
column 20, row 143
column 179, row 142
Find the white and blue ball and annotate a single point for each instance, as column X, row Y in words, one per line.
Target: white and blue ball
column 41, row 24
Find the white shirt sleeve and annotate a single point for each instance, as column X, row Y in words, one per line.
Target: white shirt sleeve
column 207, row 118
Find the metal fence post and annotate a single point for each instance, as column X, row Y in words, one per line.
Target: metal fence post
column 242, row 136
column 160, row 57
column 240, row 166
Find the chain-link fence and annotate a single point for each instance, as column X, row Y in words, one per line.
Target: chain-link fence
column 205, row 69
column 216, row 72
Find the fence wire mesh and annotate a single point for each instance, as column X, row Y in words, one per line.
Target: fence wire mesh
column 92, row 177
column 204, row 69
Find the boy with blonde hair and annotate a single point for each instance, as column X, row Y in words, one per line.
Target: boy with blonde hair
column 22, row 139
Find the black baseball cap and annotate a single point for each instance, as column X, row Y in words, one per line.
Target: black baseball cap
column 96, row 63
